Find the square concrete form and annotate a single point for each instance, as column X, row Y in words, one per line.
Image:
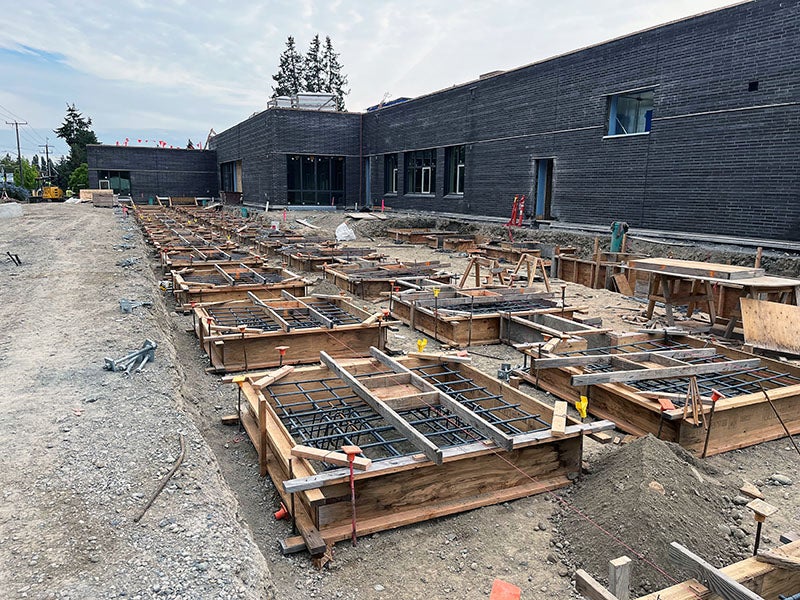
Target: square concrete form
column 246, row 334
column 416, row 235
column 374, row 280
column 462, row 318
column 218, row 283
column 312, row 257
column 442, row 437
column 653, row 366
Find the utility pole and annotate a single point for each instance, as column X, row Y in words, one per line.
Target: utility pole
column 46, row 147
column 16, row 125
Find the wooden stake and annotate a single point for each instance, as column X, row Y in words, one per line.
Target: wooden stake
column 619, row 577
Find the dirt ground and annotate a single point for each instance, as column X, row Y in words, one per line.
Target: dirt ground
column 82, row 449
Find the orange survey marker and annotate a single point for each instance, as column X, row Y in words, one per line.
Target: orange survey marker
column 502, row 590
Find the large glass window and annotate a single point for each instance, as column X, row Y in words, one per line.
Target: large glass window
column 314, row 180
column 118, row 181
column 420, row 171
column 390, row 174
column 454, row 175
column 631, row 112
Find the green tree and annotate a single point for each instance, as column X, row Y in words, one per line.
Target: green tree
column 312, row 67
column 29, row 172
column 289, row 78
column 79, row 178
column 61, row 173
column 77, row 133
column 333, row 80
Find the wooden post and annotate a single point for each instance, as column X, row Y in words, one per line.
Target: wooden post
column 759, row 251
column 619, row 577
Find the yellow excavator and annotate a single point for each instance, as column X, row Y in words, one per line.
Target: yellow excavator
column 48, row 193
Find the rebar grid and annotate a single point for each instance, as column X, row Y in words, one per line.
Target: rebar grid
column 326, row 414
column 728, row 384
column 253, row 317
column 335, row 313
column 508, row 417
column 501, row 306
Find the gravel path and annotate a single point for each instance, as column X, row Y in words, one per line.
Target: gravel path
column 82, row 449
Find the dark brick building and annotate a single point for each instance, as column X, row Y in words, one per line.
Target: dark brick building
column 147, row 172
column 690, row 126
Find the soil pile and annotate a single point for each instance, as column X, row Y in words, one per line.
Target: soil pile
column 649, row 494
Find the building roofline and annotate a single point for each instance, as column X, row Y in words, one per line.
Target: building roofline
column 568, row 53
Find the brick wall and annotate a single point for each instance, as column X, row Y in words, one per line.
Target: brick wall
column 157, row 171
column 719, row 159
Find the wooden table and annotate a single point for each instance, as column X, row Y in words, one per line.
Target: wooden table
column 667, row 275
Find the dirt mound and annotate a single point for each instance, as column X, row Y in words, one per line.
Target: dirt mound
column 647, row 495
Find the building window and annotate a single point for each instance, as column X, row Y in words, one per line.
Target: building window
column 631, row 112
column 390, row 174
column 314, row 180
column 454, row 177
column 420, row 171
column 119, row 181
column 231, row 176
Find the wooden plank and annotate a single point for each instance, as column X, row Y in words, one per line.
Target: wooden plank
column 268, row 380
column 590, row 588
column 665, row 373
column 771, row 325
column 559, row 424
column 433, row 452
column 622, row 284
column 451, row 404
column 619, row 577
column 440, row 357
column 714, row 579
column 576, row 361
column 672, row 266
column 778, row 559
column 339, row 459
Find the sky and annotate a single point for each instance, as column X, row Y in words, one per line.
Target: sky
column 173, row 69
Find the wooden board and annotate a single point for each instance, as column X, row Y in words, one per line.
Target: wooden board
column 771, row 326
column 694, row 268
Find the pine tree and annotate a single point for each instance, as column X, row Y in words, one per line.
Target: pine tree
column 333, row 80
column 312, row 67
column 290, row 70
column 77, row 133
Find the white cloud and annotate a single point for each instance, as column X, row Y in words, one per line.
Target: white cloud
column 187, row 66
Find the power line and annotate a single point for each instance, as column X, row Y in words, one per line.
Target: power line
column 16, row 125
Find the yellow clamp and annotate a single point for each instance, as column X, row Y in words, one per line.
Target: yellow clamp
column 421, row 345
column 436, row 292
column 581, row 406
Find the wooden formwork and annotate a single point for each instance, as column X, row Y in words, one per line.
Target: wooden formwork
column 434, row 450
column 594, row 273
column 657, row 367
column 313, row 257
column 415, row 235
column 219, row 283
column 246, row 334
column 772, row 576
column 461, row 318
column 372, row 280
column 178, row 258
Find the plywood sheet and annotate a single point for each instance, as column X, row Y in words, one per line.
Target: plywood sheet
column 771, row 326
column 695, row 268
